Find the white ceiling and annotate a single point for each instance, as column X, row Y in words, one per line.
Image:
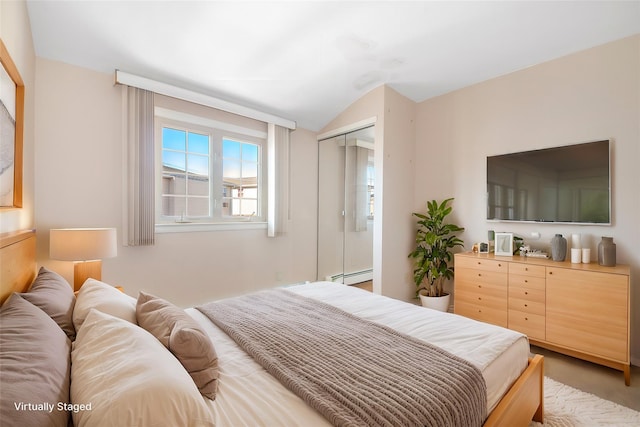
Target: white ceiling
column 307, row 61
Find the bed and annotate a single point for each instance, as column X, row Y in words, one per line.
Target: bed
column 122, row 341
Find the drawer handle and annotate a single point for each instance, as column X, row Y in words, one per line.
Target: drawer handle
column 526, row 305
column 479, row 298
column 526, row 269
column 479, row 286
column 479, row 275
column 526, row 318
column 526, row 281
column 551, row 272
column 479, row 263
column 526, row 293
column 499, row 265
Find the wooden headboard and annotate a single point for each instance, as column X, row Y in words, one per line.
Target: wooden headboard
column 17, row 261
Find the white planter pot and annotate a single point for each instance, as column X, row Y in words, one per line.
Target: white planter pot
column 436, row 303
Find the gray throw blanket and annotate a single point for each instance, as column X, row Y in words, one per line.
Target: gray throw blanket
column 354, row 372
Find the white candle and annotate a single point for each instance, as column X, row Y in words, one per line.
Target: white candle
column 576, row 255
column 575, row 241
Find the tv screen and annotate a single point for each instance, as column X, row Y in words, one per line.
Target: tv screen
column 569, row 184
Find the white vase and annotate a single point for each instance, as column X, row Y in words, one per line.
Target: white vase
column 436, row 303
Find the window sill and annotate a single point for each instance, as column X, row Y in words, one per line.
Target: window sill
column 191, row 227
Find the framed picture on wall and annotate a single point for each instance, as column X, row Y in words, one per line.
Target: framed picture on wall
column 11, row 131
column 504, row 244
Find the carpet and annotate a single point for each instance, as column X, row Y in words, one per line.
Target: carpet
column 565, row 406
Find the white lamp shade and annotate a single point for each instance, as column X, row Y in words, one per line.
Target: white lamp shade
column 82, row 244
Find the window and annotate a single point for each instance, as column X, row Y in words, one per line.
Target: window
column 209, row 172
column 240, row 166
column 186, row 174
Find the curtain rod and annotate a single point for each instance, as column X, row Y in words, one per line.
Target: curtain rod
column 199, row 98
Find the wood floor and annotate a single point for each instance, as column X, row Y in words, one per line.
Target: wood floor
column 367, row 286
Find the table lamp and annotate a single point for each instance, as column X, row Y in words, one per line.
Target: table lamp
column 86, row 247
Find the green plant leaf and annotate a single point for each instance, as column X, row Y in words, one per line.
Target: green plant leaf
column 434, row 241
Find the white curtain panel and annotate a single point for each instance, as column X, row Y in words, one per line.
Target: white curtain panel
column 278, row 152
column 140, row 195
column 361, row 199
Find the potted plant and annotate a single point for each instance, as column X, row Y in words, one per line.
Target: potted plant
column 433, row 254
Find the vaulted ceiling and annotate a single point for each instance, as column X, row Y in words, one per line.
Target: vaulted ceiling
column 308, row 60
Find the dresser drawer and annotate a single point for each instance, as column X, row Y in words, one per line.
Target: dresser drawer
column 528, row 294
column 532, row 325
column 483, row 314
column 476, row 263
column 526, row 306
column 491, row 299
column 530, row 282
column 527, row 269
column 481, row 276
column 481, row 288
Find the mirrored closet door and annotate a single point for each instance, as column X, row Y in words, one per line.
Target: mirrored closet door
column 345, row 207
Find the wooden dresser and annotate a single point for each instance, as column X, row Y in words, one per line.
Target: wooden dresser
column 582, row 310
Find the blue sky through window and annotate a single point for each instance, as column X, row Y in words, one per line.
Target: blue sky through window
column 181, row 148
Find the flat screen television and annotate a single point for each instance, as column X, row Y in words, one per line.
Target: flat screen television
column 569, row 184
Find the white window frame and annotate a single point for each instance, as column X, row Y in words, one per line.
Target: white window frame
column 217, row 131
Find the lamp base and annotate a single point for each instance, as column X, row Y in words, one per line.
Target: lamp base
column 83, row 270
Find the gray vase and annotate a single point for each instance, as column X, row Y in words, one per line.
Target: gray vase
column 607, row 252
column 558, row 248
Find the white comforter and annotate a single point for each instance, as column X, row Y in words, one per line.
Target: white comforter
column 249, row 396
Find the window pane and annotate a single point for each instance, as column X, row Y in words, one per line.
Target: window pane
column 198, row 164
column 198, row 185
column 235, row 207
column 250, row 193
column 231, row 171
column 249, row 207
column 250, row 152
column 174, row 139
column 198, row 206
column 250, row 170
column 198, row 143
column 230, row 149
column 173, row 206
column 173, row 183
column 172, row 160
column 226, row 206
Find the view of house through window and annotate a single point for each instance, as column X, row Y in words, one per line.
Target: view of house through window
column 185, row 174
column 239, row 178
column 208, row 174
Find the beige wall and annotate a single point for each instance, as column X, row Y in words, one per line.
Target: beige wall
column 79, row 179
column 594, row 94
column 15, row 31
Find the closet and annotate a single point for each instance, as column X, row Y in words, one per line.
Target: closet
column 346, row 194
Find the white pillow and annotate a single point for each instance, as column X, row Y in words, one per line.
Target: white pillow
column 130, row 379
column 105, row 298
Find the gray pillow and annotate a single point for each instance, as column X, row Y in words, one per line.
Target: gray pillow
column 35, row 366
column 53, row 295
column 182, row 335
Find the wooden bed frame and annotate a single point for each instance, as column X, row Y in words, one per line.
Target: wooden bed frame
column 522, row 403
column 17, row 262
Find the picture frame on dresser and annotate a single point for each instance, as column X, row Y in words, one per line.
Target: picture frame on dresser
column 504, row 244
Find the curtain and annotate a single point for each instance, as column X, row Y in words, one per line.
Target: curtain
column 140, row 195
column 278, row 153
column 362, row 186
